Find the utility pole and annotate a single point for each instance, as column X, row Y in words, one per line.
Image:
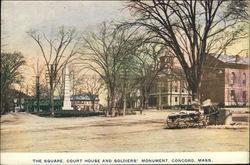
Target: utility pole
column 160, row 94
column 73, row 88
column 20, row 104
column 52, row 74
column 27, row 98
column 38, row 93
column 125, row 93
column 73, row 84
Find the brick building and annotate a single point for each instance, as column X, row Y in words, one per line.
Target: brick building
column 226, row 80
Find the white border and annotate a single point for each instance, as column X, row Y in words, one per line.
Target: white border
column 126, row 158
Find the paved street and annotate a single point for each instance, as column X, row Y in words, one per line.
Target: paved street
column 22, row 132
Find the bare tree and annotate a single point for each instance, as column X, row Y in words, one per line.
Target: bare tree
column 127, row 80
column 239, row 10
column 151, row 61
column 38, row 70
column 41, row 81
column 104, row 54
column 190, row 28
column 92, row 85
column 57, row 51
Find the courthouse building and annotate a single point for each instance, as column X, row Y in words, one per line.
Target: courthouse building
column 169, row 90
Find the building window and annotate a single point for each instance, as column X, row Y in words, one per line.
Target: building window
column 233, row 95
column 244, row 96
column 183, row 100
column 164, row 89
column 244, row 78
column 233, row 78
column 176, row 99
column 176, row 89
column 164, row 99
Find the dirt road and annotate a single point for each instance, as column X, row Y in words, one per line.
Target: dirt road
column 22, row 132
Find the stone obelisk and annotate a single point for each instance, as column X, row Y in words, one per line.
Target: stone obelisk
column 66, row 101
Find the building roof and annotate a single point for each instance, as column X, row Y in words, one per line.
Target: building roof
column 84, row 96
column 80, row 97
column 176, row 72
column 231, row 59
column 56, row 98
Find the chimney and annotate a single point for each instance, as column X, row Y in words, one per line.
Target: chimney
column 237, row 58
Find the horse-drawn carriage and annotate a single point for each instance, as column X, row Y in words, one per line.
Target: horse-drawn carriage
column 193, row 118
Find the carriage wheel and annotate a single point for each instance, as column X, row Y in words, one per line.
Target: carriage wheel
column 173, row 123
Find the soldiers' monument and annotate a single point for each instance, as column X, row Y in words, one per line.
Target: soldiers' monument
column 66, row 101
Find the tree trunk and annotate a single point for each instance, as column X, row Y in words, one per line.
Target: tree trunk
column 124, row 100
column 112, row 102
column 93, row 104
column 38, row 94
column 196, row 99
column 52, row 99
column 194, row 95
column 112, row 108
column 145, row 100
column 124, row 105
column 141, row 104
column 3, row 104
column 108, row 104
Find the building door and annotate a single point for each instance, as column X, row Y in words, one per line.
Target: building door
column 244, row 97
column 233, row 98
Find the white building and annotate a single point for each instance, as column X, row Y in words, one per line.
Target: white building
column 169, row 90
column 85, row 101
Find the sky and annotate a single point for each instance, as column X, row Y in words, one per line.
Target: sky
column 18, row 17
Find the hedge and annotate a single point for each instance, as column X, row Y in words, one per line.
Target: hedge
column 76, row 113
column 68, row 113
